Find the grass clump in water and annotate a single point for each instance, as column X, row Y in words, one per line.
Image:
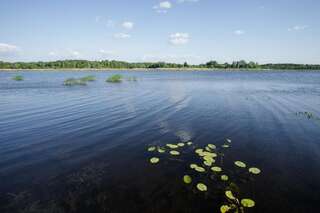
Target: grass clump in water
column 115, row 79
column 88, row 78
column 74, row 82
column 17, row 78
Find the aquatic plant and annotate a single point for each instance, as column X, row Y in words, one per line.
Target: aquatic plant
column 154, row 160
column 18, row 78
column 151, row 148
column 117, row 78
column 254, row 170
column 74, row 82
column 88, row 78
column 202, row 187
column 240, row 164
column 187, row 179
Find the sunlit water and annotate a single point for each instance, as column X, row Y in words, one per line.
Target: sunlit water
column 83, row 148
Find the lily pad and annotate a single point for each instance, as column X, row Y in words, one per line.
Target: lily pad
column 208, row 149
column 189, row 143
column 154, row 160
column 180, row 144
column 173, row 152
column 229, row 195
column 224, row 177
column 202, row 187
column 172, row 146
column 254, row 170
column 247, row 203
column 240, row 164
column 225, row 146
column 210, row 154
column 212, row 146
column 151, row 148
column 161, row 150
column 198, row 151
column 208, row 163
column 193, row 166
column 216, row 169
column 224, row 208
column 200, row 169
column 187, row 179
column 228, row 140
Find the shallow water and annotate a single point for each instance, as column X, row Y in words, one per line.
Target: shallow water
column 83, row 148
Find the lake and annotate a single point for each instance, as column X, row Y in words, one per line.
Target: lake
column 85, row 148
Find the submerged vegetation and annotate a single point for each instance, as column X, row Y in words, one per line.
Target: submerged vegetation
column 207, row 173
column 106, row 64
column 79, row 81
column 18, row 78
column 114, row 78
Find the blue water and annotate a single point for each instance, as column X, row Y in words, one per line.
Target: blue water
column 49, row 132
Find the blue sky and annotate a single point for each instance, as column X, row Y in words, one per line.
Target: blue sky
column 195, row 31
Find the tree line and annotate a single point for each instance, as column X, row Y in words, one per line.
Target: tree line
column 112, row 64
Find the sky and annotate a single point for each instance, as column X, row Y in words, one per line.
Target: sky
column 196, row 31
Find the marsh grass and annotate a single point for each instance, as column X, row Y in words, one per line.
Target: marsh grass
column 114, row 78
column 74, row 82
column 18, row 78
column 88, row 78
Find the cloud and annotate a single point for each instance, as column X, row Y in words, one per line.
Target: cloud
column 73, row 53
column 98, row 19
column 179, row 38
column 163, row 7
column 110, row 23
column 8, row 49
column 298, row 28
column 106, row 52
column 186, row 1
column 121, row 36
column 127, row 25
column 239, row 32
column 52, row 53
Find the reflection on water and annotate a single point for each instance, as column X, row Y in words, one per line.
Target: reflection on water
column 83, row 149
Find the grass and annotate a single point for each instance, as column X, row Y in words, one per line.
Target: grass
column 18, row 78
column 88, row 78
column 74, row 82
column 115, row 79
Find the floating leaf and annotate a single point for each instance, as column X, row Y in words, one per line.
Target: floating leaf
column 198, row 151
column 154, row 160
column 228, row 140
column 161, row 150
column 225, row 146
column 210, row 154
column 208, row 163
column 254, row 170
column 200, row 169
column 189, row 143
column 247, row 203
column 180, row 144
column 240, row 164
column 172, row 146
column 229, row 195
column 193, row 166
column 224, row 177
column 151, row 148
column 187, row 179
column 202, row 187
column 216, row 169
column 211, row 146
column 224, row 208
column 173, row 152
column 208, row 158
column 208, row 149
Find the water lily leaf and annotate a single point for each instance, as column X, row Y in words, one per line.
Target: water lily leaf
column 154, row 160
column 200, row 169
column 198, row 151
column 173, row 152
column 216, row 169
column 151, row 148
column 224, row 208
column 208, row 163
column 209, row 154
column 193, row 166
column 247, row 203
column 228, row 140
column 208, row 149
column 225, row 146
column 202, row 187
column 240, row 164
column 161, row 150
column 208, row 158
column 212, row 146
column 224, row 177
column 254, row 170
column 229, row 195
column 172, row 146
column 189, row 143
column 180, row 144
column 187, row 179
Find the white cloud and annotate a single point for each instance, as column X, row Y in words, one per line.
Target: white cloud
column 121, row 35
column 110, row 23
column 8, row 49
column 239, row 32
column 185, row 1
column 127, row 25
column 106, row 52
column 163, row 7
column 52, row 53
column 73, row 53
column 179, row 38
column 298, row 28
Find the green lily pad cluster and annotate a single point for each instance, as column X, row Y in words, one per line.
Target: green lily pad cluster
column 207, row 173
